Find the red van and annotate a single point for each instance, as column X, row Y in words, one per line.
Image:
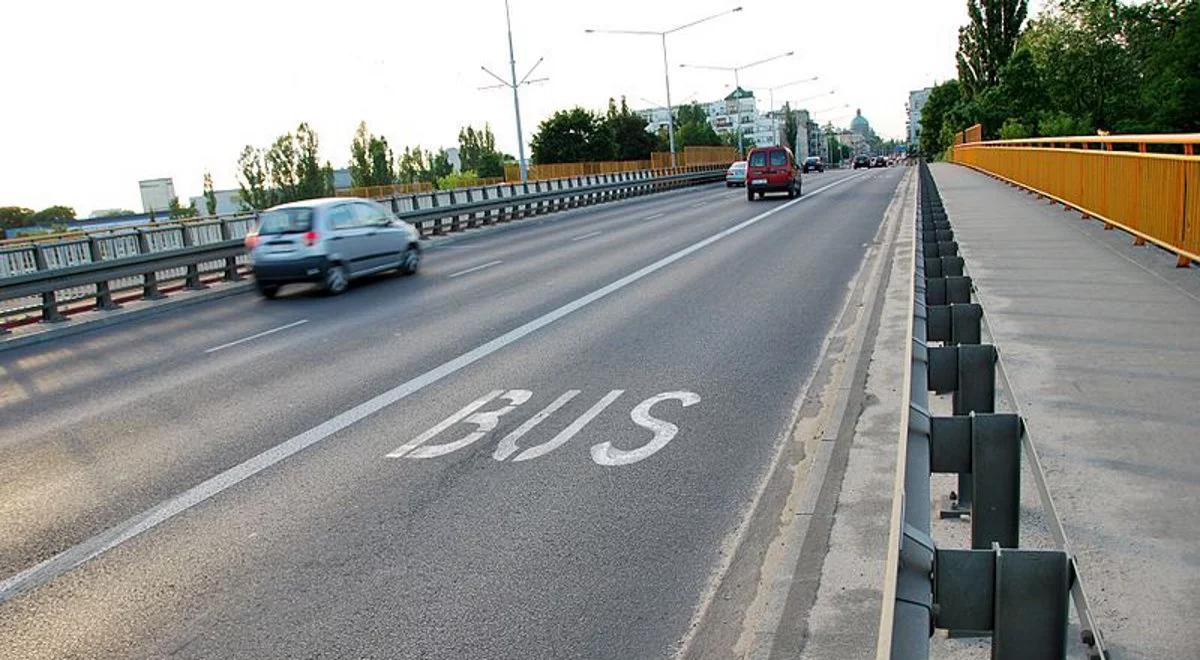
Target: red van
column 772, row 169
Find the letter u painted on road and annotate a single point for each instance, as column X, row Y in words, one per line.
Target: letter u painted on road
column 485, row 421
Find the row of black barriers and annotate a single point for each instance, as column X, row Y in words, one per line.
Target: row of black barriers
column 1019, row 597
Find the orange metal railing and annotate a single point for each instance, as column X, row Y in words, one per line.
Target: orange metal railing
column 1154, row 196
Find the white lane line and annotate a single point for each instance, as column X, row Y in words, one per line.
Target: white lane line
column 698, row 204
column 68, row 559
column 652, row 217
column 264, row 333
column 580, row 238
column 475, row 268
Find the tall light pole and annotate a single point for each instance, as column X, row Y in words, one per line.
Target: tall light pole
column 666, row 66
column 771, row 91
column 737, row 82
column 515, row 85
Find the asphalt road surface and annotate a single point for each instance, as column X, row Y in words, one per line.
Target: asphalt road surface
column 536, row 448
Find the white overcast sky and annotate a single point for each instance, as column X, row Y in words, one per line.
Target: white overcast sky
column 98, row 95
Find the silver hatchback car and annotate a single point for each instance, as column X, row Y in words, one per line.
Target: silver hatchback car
column 329, row 241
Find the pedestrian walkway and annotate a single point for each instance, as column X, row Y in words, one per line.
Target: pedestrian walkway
column 1101, row 341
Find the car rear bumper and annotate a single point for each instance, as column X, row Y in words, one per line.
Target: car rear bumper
column 306, row 269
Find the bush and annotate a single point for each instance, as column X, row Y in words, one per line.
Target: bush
column 1013, row 129
column 457, row 180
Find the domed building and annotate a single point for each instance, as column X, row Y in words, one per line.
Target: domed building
column 860, row 125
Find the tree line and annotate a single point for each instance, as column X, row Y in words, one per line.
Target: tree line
column 577, row 135
column 1081, row 67
column 290, row 168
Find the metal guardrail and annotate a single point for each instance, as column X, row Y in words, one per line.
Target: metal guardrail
column 90, row 270
column 1019, row 597
column 1153, row 196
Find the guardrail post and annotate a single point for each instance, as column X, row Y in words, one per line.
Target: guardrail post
column 455, row 220
column 231, row 273
column 50, row 313
column 438, row 230
column 149, row 278
column 488, row 218
column 1021, row 596
column 104, row 298
column 192, row 281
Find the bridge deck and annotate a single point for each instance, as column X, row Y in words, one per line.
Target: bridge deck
column 1101, row 340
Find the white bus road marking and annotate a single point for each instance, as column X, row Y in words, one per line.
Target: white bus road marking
column 569, row 432
column 475, row 268
column 588, row 235
column 264, row 333
column 508, row 444
column 80, row 553
column 655, row 216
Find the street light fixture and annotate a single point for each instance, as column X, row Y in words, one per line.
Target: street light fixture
column 737, row 82
column 514, row 84
column 666, row 67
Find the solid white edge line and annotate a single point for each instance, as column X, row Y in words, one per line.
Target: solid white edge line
column 588, row 235
column 656, row 215
column 264, row 333
column 84, row 551
column 475, row 268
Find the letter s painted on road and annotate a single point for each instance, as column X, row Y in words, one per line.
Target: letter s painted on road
column 605, row 453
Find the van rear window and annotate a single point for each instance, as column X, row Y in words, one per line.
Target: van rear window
column 293, row 220
column 778, row 158
column 758, row 159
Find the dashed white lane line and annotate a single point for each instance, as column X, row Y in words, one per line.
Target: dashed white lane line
column 587, row 235
column 71, row 558
column 698, row 204
column 475, row 268
column 652, row 217
column 264, row 333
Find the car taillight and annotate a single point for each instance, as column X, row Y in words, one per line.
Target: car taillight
column 251, row 241
column 310, row 238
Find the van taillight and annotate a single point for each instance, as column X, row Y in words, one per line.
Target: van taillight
column 251, row 240
column 310, row 238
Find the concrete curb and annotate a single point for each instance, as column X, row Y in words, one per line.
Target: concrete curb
column 89, row 321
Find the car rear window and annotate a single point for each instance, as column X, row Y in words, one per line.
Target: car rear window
column 286, row 221
column 758, row 159
column 778, row 158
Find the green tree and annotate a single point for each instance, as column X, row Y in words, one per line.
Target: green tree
column 312, row 180
column 988, row 40
column 440, row 165
column 177, row 211
column 52, row 215
column 791, row 126
column 370, row 159
column 252, row 180
column 210, row 196
column 1013, row 129
column 942, row 99
column 571, row 136
column 692, row 127
column 12, row 217
column 477, row 150
column 413, row 165
column 627, row 131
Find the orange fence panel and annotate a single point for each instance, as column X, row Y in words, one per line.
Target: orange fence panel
column 1155, row 197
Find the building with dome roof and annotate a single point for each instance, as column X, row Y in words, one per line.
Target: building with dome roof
column 860, row 125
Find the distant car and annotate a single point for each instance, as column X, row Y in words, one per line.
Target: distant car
column 878, row 161
column 772, row 169
column 861, row 161
column 736, row 174
column 330, row 242
column 813, row 164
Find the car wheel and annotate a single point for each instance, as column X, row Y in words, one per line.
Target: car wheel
column 749, row 194
column 410, row 262
column 268, row 291
column 336, row 279
column 761, row 194
column 791, row 191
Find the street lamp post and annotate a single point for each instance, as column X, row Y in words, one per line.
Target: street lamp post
column 737, row 82
column 771, row 92
column 666, row 67
column 514, row 84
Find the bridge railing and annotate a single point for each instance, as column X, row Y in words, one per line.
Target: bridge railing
column 998, row 588
column 1146, row 185
column 45, row 278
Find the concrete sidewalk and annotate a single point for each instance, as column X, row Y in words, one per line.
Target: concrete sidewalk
column 1101, row 340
